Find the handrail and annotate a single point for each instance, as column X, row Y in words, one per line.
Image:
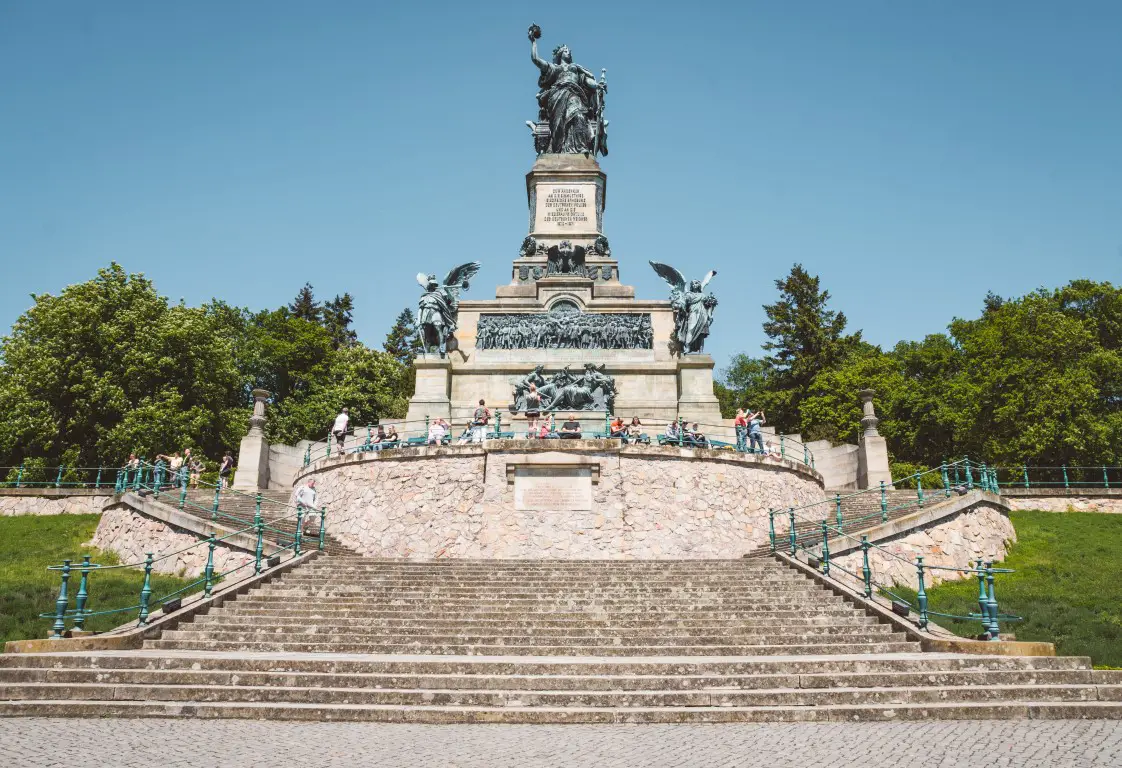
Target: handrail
column 820, row 558
column 25, row 476
column 146, row 477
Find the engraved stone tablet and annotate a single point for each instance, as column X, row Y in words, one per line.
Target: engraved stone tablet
column 565, row 208
column 553, row 488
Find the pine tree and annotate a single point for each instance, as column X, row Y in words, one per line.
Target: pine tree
column 401, row 341
column 305, row 305
column 338, row 314
column 805, row 338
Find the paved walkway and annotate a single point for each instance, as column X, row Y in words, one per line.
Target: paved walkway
column 35, row 742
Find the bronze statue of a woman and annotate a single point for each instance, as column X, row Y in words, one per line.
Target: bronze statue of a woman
column 570, row 100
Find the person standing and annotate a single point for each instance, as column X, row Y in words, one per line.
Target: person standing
column 185, row 468
column 533, row 410
column 306, row 500
column 175, row 464
column 479, row 422
column 339, row 428
column 741, row 424
column 225, row 469
column 755, row 437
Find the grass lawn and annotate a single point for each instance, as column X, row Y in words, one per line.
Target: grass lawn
column 28, row 544
column 1066, row 586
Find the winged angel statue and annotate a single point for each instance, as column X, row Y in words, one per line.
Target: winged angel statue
column 693, row 308
column 438, row 309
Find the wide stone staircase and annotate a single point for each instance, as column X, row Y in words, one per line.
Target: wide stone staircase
column 349, row 638
column 237, row 509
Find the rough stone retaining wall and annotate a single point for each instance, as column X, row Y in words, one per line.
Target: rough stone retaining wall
column 982, row 531
column 49, row 502
column 1060, row 502
column 649, row 503
column 131, row 535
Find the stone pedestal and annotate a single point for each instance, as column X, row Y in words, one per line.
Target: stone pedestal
column 253, row 454
column 696, row 401
column 430, row 394
column 872, row 449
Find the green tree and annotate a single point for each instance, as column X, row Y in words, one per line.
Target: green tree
column 402, row 342
column 743, row 384
column 805, row 338
column 305, row 306
column 338, row 314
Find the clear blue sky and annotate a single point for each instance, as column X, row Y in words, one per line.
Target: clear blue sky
column 915, row 155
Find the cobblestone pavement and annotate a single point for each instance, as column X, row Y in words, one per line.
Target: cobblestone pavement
column 35, row 742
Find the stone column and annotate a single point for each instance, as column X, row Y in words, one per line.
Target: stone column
column 431, row 393
column 253, row 455
column 872, row 449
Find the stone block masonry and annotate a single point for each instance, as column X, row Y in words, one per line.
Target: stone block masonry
column 130, row 536
column 51, row 501
column 646, row 502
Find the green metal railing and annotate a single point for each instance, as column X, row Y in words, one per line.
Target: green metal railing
column 32, row 476
column 1064, row 476
column 956, row 477
column 146, row 478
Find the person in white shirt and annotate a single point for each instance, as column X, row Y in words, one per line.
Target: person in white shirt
column 306, row 498
column 339, row 428
column 437, row 431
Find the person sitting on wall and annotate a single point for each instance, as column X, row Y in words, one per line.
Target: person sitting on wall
column 635, row 433
column 672, row 435
column 390, row 439
column 543, row 431
column 696, row 437
column 466, row 435
column 617, row 429
column 437, row 432
column 773, row 451
column 570, row 430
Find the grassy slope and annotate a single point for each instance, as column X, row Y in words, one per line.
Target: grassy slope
column 29, row 544
column 1066, row 586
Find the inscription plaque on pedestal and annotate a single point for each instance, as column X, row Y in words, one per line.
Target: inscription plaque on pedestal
column 565, row 208
column 553, row 488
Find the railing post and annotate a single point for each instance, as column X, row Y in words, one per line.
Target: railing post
column 984, row 477
column 794, row 538
column 208, row 572
column 1106, row 482
column 146, row 590
column 607, row 424
column 498, row 424
column 771, row 527
column 214, row 509
column 1024, row 469
column 308, row 455
column 838, row 510
column 983, row 604
column 58, row 478
column 60, row 603
column 883, row 503
column 991, row 603
column 957, row 475
column 260, row 529
column 969, row 474
column 921, row 595
column 322, row 526
column 1066, row 484
column 83, row 595
column 183, row 496
column 919, row 491
column 329, row 438
column 806, row 456
column 866, row 572
column 19, row 475
column 946, row 481
column 782, row 447
column 825, row 549
column 681, row 431
column 97, row 482
column 427, row 426
column 299, row 529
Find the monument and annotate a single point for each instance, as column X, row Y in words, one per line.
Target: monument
column 566, row 322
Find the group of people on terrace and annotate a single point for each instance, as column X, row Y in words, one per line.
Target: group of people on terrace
column 179, row 470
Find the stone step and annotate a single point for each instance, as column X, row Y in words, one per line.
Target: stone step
column 540, row 618
column 522, row 698
column 643, row 636
column 983, row 710
column 16, row 675
column 346, row 622
column 460, row 649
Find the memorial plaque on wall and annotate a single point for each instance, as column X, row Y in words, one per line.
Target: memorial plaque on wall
column 564, row 208
column 553, row 488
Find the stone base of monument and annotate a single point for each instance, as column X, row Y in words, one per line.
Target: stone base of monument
column 581, row 499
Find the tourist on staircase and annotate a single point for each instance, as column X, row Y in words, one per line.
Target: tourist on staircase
column 225, row 469
column 339, row 428
column 305, row 499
